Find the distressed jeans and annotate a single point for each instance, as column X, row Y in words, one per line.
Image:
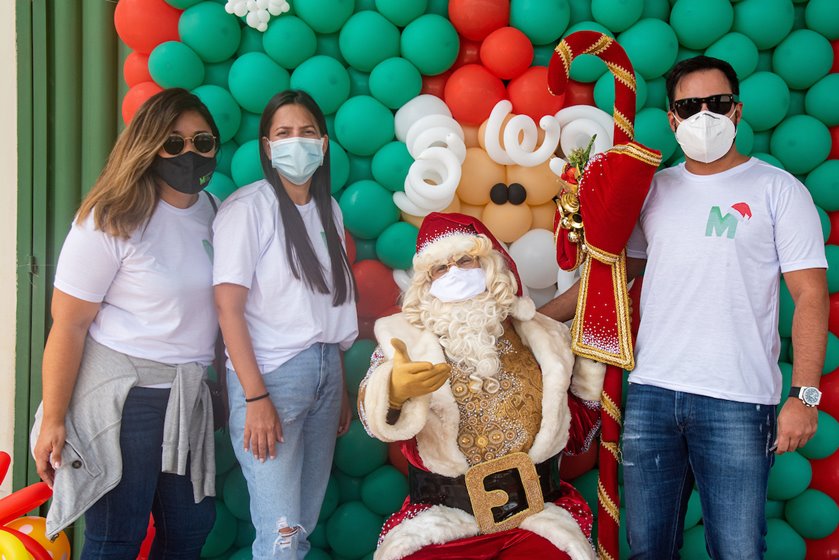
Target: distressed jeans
column 287, row 491
column 672, row 440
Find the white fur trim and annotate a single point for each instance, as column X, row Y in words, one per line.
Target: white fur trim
column 587, row 382
column 558, row 526
column 442, row 248
column 436, row 525
column 523, row 309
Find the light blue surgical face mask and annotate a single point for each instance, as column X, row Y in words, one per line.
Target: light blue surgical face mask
column 297, row 159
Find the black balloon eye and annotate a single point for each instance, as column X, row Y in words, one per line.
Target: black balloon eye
column 516, row 194
column 498, row 193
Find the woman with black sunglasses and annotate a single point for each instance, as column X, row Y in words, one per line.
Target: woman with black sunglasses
column 125, row 427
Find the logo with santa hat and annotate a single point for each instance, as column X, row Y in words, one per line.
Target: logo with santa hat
column 720, row 224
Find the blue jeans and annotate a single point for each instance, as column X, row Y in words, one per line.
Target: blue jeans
column 673, row 439
column 115, row 526
column 287, row 491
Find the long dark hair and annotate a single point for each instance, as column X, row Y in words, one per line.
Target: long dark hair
column 298, row 246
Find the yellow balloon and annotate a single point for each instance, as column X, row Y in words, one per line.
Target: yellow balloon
column 478, row 175
column 11, row 548
column 415, row 221
column 470, row 136
column 507, row 221
column 36, row 527
column 543, row 216
column 470, row 210
column 540, row 182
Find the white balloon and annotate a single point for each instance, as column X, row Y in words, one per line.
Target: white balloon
column 251, row 4
column 557, row 164
column 241, row 10
column 523, row 126
column 565, row 116
column 263, row 27
column 565, row 279
column 437, row 165
column 401, row 200
column 403, row 278
column 541, row 296
column 578, row 133
column 262, row 4
column 440, row 137
column 414, row 110
column 535, row 256
column 263, row 15
column 253, row 20
column 492, row 132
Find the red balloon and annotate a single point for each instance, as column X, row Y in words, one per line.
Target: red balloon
column 507, row 52
column 135, row 97
column 573, row 466
column 435, row 85
column 145, row 547
column 579, row 93
column 824, row 549
column 475, row 19
column 834, row 143
column 377, row 291
column 144, row 24
column 469, row 53
column 530, row 96
column 471, row 92
column 833, row 239
column 16, row 504
column 829, row 385
column 350, row 242
column 835, row 44
column 833, row 319
column 33, row 547
column 826, row 475
column 394, row 455
column 5, row 461
column 135, row 70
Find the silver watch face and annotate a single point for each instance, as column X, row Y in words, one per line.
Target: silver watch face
column 810, row 395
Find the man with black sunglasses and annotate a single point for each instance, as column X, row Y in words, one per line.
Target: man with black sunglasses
column 715, row 235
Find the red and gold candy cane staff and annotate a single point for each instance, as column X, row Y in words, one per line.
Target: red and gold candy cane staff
column 595, row 218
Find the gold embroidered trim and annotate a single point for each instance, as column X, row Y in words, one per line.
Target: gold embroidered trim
column 607, row 503
column 622, row 75
column 565, row 53
column 602, row 554
column 611, row 408
column 603, row 43
column 638, row 152
column 624, row 123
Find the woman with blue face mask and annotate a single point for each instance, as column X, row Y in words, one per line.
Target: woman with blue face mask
column 286, row 301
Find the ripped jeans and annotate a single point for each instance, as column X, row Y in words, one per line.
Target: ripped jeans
column 286, row 492
column 673, row 439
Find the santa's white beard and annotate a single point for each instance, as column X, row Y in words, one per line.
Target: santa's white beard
column 468, row 331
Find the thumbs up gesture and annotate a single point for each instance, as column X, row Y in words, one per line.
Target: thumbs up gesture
column 413, row 379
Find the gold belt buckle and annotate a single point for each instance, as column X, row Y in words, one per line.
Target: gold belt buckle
column 484, row 500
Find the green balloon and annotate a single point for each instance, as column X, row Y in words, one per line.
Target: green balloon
column 339, row 164
column 656, row 94
column 796, row 103
column 820, row 100
column 803, row 58
column 182, row 4
column 255, row 79
column 353, row 530
column 396, row 246
column 325, row 79
column 768, row 158
column 223, row 108
column 831, row 358
column 745, row 137
column 318, row 538
column 543, row 21
column 764, row 61
column 357, row 362
column 786, row 307
column 685, row 53
column 801, row 142
column 825, row 442
column 825, row 222
column 762, row 141
column 782, row 542
column 222, row 534
column 349, row 487
column 174, row 64
column 652, row 129
column 359, row 82
column 786, row 370
column 328, row 46
column 401, row 12
column 384, row 490
column 738, row 50
column 394, row 82
column 391, row 164
column 363, row 125
column 324, row 16
column 813, row 514
column 225, row 457
column 693, row 515
column 581, row 11
column 790, row 476
column 604, row 92
column 365, row 249
column 245, row 168
column 823, row 184
column 766, row 22
column 251, row 41
column 289, row 41
column 244, row 553
column 361, row 169
column 221, row 185
column 210, row 31
column 430, row 43
column 331, row 499
column 652, row 47
column 245, row 535
column 617, row 15
column 238, row 499
column 693, row 544
column 438, row 7
column 357, row 454
column 316, row 553
column 224, row 157
column 249, row 129
column 367, row 39
column 361, row 5
column 587, row 67
column 698, row 23
column 774, row 509
column 216, row 74
column 542, row 55
column 784, row 355
column 368, row 209
column 765, row 98
column 823, row 18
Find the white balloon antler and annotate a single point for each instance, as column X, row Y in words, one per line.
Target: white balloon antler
column 520, row 137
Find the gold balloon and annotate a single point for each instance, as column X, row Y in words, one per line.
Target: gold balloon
column 417, row 220
column 470, row 210
column 507, row 221
column 543, row 216
column 540, row 182
column 478, row 174
column 470, row 136
column 36, row 527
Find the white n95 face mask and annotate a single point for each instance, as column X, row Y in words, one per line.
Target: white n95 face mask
column 459, row 284
column 297, row 159
column 705, row 136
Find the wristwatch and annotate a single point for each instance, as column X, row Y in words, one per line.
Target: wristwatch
column 810, row 396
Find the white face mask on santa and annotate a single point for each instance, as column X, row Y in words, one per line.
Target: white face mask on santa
column 459, row 284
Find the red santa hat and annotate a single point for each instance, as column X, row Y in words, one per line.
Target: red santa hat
column 443, row 235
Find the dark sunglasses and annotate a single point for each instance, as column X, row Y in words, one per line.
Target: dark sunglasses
column 720, row 104
column 204, row 143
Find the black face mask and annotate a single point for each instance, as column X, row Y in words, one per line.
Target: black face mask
column 188, row 173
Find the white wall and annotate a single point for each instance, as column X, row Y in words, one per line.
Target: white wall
column 8, row 229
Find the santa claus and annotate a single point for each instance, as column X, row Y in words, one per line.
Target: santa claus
column 485, row 396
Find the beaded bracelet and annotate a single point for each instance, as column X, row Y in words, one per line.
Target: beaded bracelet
column 259, row 398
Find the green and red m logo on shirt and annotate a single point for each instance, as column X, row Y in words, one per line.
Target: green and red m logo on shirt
column 719, row 224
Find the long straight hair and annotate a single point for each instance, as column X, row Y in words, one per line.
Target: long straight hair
column 125, row 194
column 301, row 254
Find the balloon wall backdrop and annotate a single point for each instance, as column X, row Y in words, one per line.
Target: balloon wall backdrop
column 436, row 105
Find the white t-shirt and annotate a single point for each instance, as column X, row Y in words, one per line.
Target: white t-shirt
column 715, row 247
column 284, row 316
column 155, row 287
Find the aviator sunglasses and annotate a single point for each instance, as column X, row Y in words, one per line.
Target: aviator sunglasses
column 204, row 143
column 720, row 104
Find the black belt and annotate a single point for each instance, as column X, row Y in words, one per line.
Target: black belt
column 430, row 488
